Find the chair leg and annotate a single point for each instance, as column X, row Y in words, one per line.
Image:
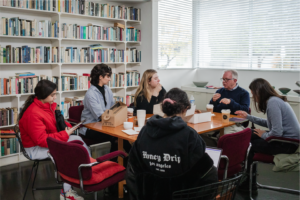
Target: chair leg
column 37, row 166
column 250, row 179
column 28, row 181
column 95, row 193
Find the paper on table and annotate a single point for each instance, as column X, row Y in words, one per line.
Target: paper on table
column 130, row 132
column 138, row 129
column 212, row 114
column 191, row 111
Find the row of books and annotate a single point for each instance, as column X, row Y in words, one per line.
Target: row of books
column 117, row 80
column 78, row 7
column 31, row 4
column 75, row 101
column 129, row 99
column 21, row 83
column 72, row 81
column 9, row 146
column 26, row 54
column 118, row 98
column 133, row 34
column 92, row 32
column 99, row 10
column 133, row 78
column 8, row 116
column 23, row 27
column 133, row 55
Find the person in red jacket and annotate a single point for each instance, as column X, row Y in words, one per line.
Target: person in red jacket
column 37, row 122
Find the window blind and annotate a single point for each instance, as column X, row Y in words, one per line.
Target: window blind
column 248, row 34
column 175, row 33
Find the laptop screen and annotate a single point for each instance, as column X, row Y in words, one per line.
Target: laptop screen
column 215, row 155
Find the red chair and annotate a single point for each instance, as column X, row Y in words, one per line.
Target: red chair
column 265, row 158
column 236, row 147
column 75, row 117
column 73, row 165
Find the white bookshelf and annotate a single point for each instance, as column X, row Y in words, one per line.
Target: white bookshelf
column 55, row 69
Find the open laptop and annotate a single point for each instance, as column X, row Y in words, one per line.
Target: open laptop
column 215, row 155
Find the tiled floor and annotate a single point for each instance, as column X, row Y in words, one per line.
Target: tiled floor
column 14, row 178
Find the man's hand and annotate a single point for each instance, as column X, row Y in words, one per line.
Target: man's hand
column 216, row 96
column 225, row 101
column 259, row 132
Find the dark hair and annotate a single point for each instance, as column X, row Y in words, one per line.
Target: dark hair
column 181, row 102
column 42, row 90
column 99, row 70
column 262, row 91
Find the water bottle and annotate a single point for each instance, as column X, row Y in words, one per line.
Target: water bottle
column 192, row 100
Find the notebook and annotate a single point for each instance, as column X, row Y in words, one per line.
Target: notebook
column 215, row 155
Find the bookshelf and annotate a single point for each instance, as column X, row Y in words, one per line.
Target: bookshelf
column 55, row 69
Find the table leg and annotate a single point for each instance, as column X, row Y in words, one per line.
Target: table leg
column 120, row 161
column 221, row 132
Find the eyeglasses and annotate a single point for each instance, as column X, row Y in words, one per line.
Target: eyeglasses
column 226, row 79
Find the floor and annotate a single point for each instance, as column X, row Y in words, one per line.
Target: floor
column 14, row 178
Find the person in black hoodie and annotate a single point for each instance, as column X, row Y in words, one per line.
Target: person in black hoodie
column 168, row 155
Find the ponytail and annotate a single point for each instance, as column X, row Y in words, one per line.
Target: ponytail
column 27, row 103
column 42, row 90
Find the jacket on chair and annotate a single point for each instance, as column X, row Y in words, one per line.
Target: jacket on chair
column 167, row 156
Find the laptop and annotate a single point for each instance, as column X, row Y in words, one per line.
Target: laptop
column 215, row 155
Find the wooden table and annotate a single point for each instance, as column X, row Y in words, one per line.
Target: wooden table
column 215, row 124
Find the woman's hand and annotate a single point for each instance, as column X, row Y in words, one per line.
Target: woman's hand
column 259, row 132
column 197, row 111
column 129, row 114
column 70, row 130
column 242, row 114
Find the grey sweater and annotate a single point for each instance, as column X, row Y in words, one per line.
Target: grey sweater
column 281, row 120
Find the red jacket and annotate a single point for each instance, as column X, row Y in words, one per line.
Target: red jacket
column 37, row 123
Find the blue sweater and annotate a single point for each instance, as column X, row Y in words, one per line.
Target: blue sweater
column 240, row 100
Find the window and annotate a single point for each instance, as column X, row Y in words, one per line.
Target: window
column 175, row 33
column 248, row 34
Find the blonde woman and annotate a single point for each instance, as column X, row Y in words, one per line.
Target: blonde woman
column 149, row 92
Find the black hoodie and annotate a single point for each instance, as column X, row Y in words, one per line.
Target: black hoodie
column 166, row 148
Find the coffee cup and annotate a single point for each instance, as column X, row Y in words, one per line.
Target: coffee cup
column 141, row 121
column 141, row 113
column 130, row 119
column 128, row 125
column 130, row 110
column 210, row 108
column 225, row 115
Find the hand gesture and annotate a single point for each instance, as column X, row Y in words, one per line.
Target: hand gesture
column 129, row 114
column 197, row 111
column 259, row 132
column 225, row 101
column 242, row 114
column 70, row 130
column 216, row 96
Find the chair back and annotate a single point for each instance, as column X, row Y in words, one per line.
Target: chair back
column 235, row 147
column 18, row 136
column 223, row 190
column 75, row 113
column 68, row 156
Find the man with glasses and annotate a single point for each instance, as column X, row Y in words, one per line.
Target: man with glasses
column 231, row 96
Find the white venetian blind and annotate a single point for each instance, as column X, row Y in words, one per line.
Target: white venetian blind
column 247, row 34
column 175, row 33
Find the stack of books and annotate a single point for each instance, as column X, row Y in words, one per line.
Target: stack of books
column 133, row 34
column 24, row 27
column 133, row 55
column 8, row 116
column 117, row 80
column 75, row 101
column 92, row 32
column 26, row 54
column 72, row 81
column 9, row 146
column 129, row 99
column 21, row 83
column 54, row 79
column 133, row 78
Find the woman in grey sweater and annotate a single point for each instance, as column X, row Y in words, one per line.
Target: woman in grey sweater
column 281, row 122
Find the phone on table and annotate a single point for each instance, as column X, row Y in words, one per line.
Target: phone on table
column 77, row 125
